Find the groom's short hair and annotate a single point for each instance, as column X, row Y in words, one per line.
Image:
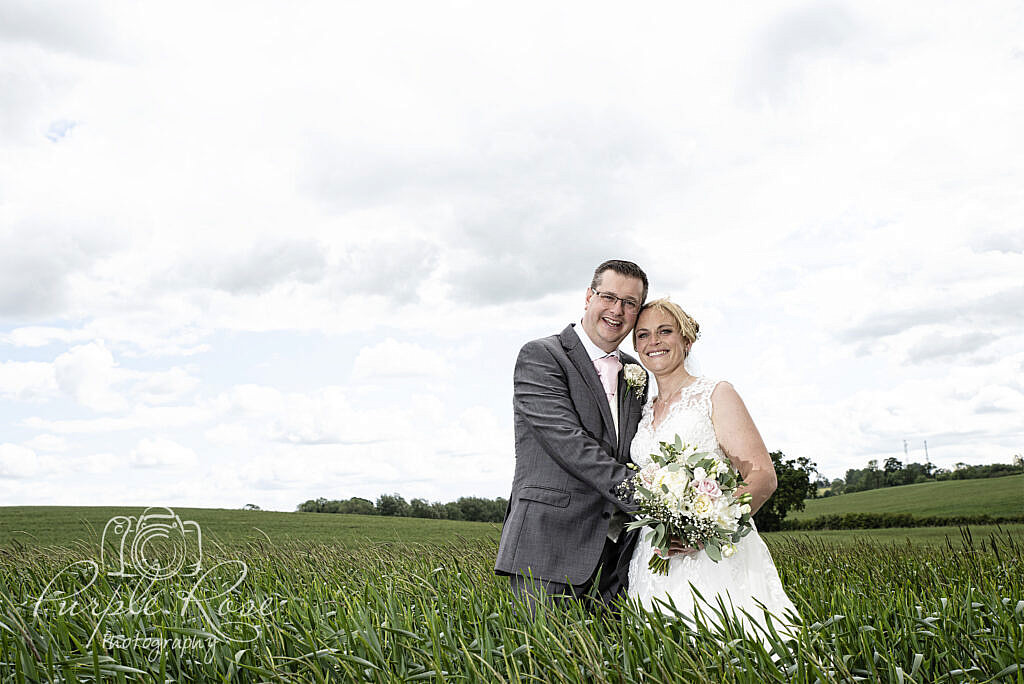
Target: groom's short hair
column 623, row 268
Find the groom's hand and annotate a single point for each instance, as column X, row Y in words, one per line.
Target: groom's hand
column 676, row 547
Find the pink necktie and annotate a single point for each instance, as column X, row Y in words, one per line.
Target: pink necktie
column 608, row 368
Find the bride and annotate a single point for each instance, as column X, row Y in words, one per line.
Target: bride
column 710, row 416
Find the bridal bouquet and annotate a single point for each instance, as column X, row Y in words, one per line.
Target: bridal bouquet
column 688, row 495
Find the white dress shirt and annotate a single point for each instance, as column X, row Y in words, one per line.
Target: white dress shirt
column 595, row 353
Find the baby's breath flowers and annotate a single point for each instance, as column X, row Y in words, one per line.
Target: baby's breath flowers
column 636, row 378
column 690, row 495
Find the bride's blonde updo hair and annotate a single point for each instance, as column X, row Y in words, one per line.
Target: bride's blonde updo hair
column 687, row 326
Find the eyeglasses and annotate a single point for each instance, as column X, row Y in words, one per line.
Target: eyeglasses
column 629, row 305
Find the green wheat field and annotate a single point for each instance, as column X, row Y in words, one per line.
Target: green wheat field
column 290, row 597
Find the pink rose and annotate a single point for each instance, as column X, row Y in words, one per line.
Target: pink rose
column 708, row 487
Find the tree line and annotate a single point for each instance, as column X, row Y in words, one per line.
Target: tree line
column 894, row 473
column 796, row 483
column 471, row 508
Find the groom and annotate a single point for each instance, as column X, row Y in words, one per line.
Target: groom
column 575, row 417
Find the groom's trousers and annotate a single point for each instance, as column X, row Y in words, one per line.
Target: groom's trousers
column 599, row 591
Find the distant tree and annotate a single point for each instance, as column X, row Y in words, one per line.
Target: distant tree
column 895, row 473
column 357, row 506
column 250, row 507
column 857, row 480
column 795, row 484
column 393, row 504
column 837, row 487
column 313, row 505
column 874, row 475
column 482, row 510
column 1018, row 462
column 453, row 511
column 929, row 470
column 332, row 506
column 421, row 508
column 917, row 472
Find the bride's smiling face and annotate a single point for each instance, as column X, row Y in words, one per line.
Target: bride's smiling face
column 659, row 342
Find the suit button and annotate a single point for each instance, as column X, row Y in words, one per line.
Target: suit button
column 606, row 515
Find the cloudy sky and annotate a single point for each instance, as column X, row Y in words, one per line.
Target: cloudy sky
column 260, row 253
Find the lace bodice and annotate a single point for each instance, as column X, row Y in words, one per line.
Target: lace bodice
column 689, row 417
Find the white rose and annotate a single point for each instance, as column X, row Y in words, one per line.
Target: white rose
column 728, row 550
column 744, row 509
column 699, row 473
column 702, row 505
column 634, row 374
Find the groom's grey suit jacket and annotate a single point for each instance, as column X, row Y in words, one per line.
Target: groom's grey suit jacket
column 569, row 461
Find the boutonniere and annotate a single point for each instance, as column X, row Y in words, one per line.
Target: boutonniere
column 636, row 378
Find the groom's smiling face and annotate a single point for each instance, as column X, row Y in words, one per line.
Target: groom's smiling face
column 608, row 324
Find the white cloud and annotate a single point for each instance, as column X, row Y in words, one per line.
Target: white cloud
column 796, row 40
column 38, row 336
column 148, row 418
column 163, row 387
column 88, row 373
column 342, row 282
column 62, row 26
column 160, row 452
column 942, row 347
column 17, row 462
column 48, row 443
column 27, row 381
column 250, row 400
column 326, row 417
column 254, row 268
column 38, row 264
column 104, row 463
column 392, row 358
column 227, row 434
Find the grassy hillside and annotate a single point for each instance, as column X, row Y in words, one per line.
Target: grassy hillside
column 994, row 496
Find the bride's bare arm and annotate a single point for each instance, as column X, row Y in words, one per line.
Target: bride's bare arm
column 742, row 443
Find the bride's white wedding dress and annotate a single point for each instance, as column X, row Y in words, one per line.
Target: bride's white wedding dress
column 742, row 581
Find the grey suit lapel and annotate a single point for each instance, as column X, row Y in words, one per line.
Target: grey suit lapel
column 629, row 404
column 579, row 357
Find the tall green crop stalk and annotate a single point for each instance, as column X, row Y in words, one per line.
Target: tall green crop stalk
column 397, row 612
